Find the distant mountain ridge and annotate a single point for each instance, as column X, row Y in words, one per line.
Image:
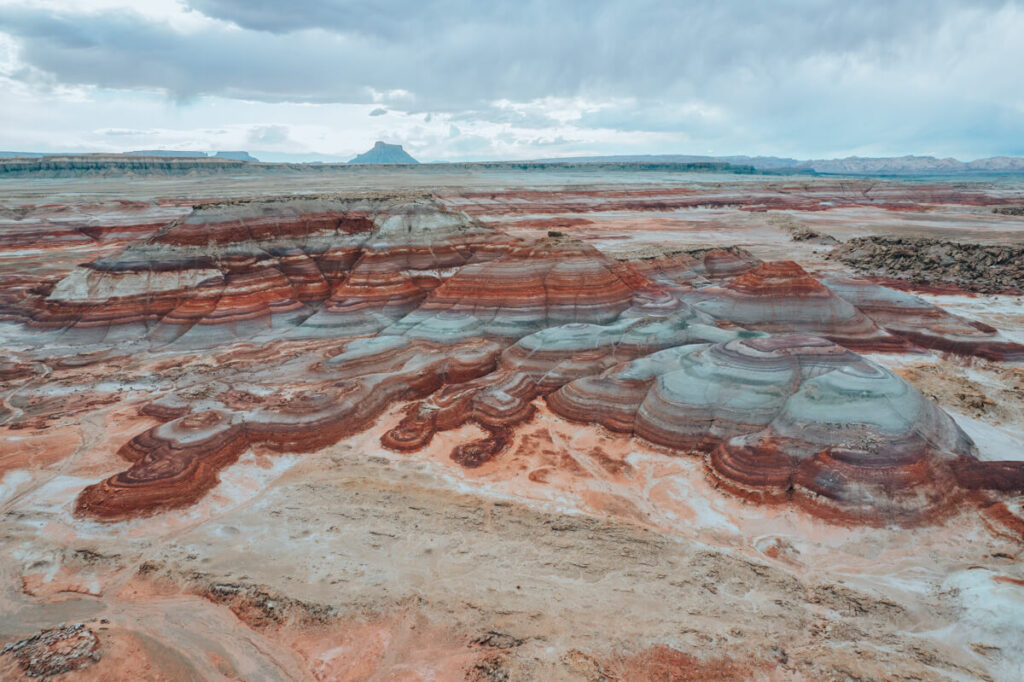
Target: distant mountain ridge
column 173, row 161
column 849, row 165
column 110, row 165
column 385, row 153
column 161, row 153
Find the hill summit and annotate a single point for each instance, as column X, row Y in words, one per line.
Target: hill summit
column 385, row 153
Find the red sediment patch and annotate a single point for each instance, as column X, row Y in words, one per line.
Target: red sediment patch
column 475, row 453
column 973, row 474
column 665, row 664
column 359, row 647
column 1019, row 582
column 925, row 287
column 1004, row 521
column 26, row 449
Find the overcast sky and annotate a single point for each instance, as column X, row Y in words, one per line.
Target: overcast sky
column 492, row 79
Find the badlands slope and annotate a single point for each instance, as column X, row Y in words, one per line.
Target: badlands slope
column 499, row 425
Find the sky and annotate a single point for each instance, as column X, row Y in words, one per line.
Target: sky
column 486, row 80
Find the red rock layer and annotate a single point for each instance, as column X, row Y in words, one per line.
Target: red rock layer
column 781, row 297
column 720, row 263
column 263, row 265
column 924, row 324
column 532, row 287
column 58, row 236
column 50, row 227
column 534, row 367
column 795, row 419
column 254, row 224
column 782, row 197
column 476, row 326
column 266, row 255
column 1006, row 477
column 391, row 279
column 667, row 267
column 176, row 463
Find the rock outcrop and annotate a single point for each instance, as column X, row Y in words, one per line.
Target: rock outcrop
column 924, row 324
column 781, row 297
column 921, row 261
column 791, row 418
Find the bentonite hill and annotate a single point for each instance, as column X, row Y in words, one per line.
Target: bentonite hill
column 510, row 424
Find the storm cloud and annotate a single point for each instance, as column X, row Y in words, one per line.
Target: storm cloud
column 790, row 77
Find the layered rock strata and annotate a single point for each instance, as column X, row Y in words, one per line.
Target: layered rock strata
column 176, row 463
column 749, row 363
column 794, row 418
column 781, row 297
column 924, row 324
column 239, row 270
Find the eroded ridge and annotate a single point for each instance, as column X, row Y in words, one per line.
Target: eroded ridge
column 780, row 297
column 925, row 324
column 794, row 418
column 264, row 268
column 750, row 364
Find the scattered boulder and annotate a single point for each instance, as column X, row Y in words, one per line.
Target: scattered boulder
column 805, row 235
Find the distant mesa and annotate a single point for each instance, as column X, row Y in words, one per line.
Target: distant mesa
column 174, row 153
column 385, row 153
column 22, row 155
column 233, row 155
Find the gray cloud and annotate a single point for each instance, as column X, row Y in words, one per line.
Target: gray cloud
column 379, row 111
column 793, row 70
column 269, row 135
column 454, row 51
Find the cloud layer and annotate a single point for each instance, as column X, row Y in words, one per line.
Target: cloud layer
column 456, row 79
